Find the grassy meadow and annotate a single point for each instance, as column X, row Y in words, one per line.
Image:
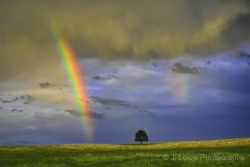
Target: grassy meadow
column 230, row 152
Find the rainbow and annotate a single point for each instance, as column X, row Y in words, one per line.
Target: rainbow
column 180, row 86
column 76, row 80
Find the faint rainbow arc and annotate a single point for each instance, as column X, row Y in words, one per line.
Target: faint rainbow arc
column 76, row 80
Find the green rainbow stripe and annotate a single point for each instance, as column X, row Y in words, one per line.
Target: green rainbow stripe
column 76, row 80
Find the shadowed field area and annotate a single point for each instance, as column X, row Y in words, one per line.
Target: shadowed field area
column 230, row 152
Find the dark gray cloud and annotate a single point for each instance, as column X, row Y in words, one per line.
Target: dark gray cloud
column 13, row 110
column 98, row 78
column 94, row 115
column 179, row 68
column 242, row 54
column 26, row 99
column 107, row 101
column 150, row 113
column 44, row 84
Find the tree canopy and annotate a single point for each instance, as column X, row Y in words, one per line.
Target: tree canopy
column 141, row 136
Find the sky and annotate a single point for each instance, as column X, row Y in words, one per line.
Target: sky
column 179, row 70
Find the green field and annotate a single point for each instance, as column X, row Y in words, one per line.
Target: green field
column 231, row 152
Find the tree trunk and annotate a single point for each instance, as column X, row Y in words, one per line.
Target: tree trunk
column 141, row 142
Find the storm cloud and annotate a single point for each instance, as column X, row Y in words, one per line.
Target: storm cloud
column 117, row 29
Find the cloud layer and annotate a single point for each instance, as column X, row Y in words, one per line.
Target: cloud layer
column 118, row 29
column 129, row 95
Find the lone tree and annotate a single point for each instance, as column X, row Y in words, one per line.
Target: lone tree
column 141, row 136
